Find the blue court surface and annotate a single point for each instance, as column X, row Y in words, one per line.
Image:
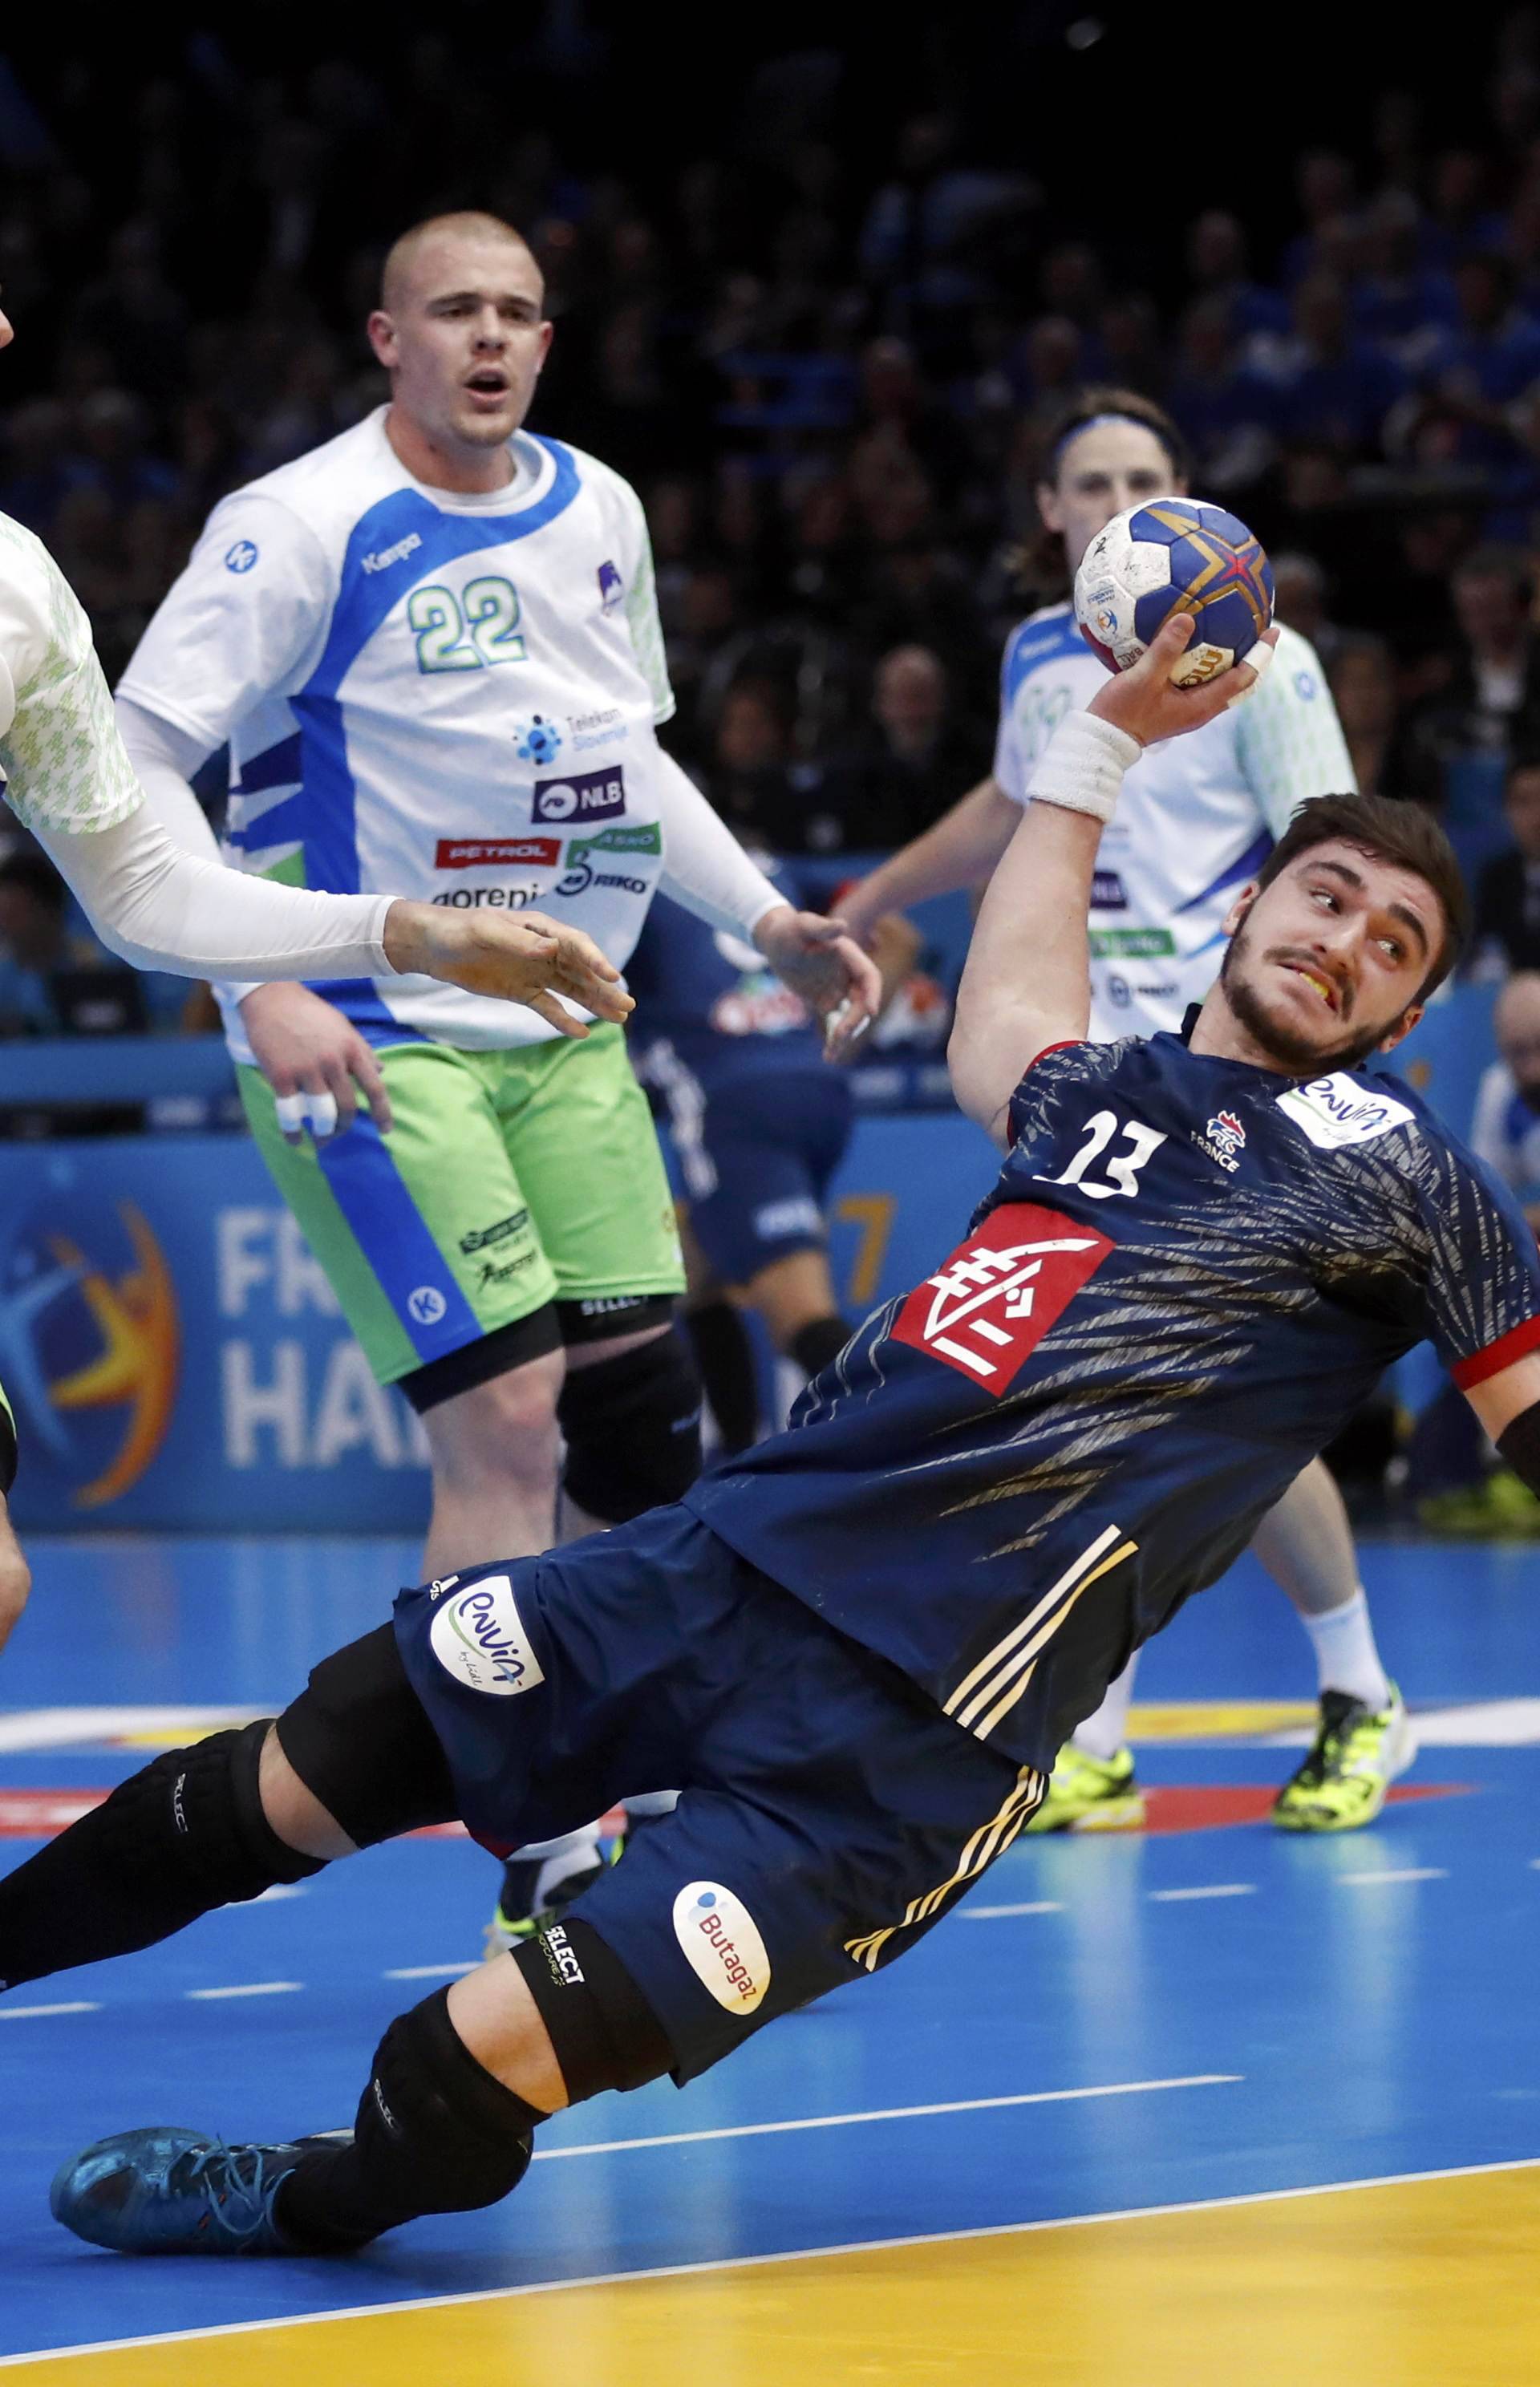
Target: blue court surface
column 1210, row 2010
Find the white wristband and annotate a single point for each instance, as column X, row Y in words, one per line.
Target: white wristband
column 1083, row 765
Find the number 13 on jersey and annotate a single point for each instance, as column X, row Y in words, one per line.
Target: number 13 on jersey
column 1121, row 1167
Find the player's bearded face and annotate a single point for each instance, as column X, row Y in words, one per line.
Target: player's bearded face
column 1327, row 962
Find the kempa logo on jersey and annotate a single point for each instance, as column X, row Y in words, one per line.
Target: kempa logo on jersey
column 646, row 837
column 489, row 852
column 582, row 796
column 1223, row 1140
column 722, row 1945
column 386, row 556
column 479, row 1636
column 989, row 1306
column 1334, row 1111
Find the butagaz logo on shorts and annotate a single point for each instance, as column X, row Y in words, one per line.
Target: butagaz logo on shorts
column 722, row 1945
column 481, row 1238
column 581, row 873
column 383, row 557
column 479, row 1636
column 1335, row 1111
column 581, row 796
column 1223, row 1140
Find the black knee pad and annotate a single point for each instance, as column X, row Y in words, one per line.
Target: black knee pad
column 632, row 1430
column 219, row 1831
column 603, row 2033
column 435, row 2133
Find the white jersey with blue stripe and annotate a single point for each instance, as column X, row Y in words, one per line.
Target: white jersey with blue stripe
column 1197, row 817
column 427, row 694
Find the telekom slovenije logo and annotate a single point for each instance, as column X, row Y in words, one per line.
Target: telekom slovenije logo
column 1001, row 1291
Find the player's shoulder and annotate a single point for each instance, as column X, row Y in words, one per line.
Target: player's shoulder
column 1347, row 1111
column 22, row 550
column 329, row 488
column 1297, row 674
column 1044, row 636
column 591, row 473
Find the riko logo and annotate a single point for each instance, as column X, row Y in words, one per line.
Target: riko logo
column 646, row 837
column 479, row 1636
column 722, row 1945
column 1001, row 1291
column 1335, row 1111
column 585, row 796
column 492, row 852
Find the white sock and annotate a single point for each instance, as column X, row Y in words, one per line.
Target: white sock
column 1102, row 1734
column 1346, row 1658
column 558, row 1860
column 648, row 1803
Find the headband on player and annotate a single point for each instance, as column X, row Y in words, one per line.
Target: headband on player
column 1094, row 422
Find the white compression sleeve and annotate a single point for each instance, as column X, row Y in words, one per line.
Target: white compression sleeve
column 164, row 760
column 161, row 907
column 704, row 867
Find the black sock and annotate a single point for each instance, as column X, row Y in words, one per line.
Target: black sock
column 814, row 1344
column 725, row 1358
column 186, row 1834
column 435, row 2133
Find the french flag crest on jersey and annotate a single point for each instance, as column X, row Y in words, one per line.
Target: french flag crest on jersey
column 612, row 588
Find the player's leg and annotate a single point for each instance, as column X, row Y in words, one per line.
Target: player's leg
column 428, row 1242
column 351, row 1761
column 1093, row 1786
column 1363, row 1740
column 720, row 1341
column 795, row 1296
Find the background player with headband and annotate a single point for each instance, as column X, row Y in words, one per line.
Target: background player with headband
column 167, row 901
column 1195, row 821
column 434, row 646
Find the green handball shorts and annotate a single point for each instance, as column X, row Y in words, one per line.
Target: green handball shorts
column 509, row 1179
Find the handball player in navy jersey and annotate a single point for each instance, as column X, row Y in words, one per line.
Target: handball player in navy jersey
column 858, row 1647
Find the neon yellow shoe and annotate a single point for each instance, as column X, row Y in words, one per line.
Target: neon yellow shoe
column 1500, row 1505
column 1357, row 1753
column 1091, row 1794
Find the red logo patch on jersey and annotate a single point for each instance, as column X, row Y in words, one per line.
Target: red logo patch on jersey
column 489, row 853
column 1001, row 1291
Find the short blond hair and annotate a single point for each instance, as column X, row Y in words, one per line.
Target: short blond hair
column 464, row 223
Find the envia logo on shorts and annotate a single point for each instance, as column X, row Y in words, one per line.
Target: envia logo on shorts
column 585, row 796
column 479, row 1636
column 242, row 556
column 1335, row 1111
column 582, row 873
column 722, row 1945
column 1001, row 1291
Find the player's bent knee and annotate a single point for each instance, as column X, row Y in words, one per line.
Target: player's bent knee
column 602, row 2032
column 632, row 1430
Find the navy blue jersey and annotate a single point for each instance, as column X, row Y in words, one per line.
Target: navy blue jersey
column 1188, row 1274
column 711, row 1002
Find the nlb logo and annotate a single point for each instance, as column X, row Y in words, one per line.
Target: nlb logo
column 584, row 795
column 722, row 1945
column 479, row 1636
column 1336, row 1111
column 1001, row 1291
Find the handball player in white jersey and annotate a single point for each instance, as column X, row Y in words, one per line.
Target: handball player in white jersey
column 433, row 645
column 1197, row 819
column 165, row 902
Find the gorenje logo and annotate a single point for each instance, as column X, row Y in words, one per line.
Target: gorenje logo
column 584, row 795
column 386, row 556
column 489, row 852
column 722, row 1945
column 1001, row 1291
column 479, row 1636
column 646, row 837
column 1336, row 1112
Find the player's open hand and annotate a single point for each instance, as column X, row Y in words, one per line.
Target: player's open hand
column 1145, row 700
column 821, row 962
column 530, row 959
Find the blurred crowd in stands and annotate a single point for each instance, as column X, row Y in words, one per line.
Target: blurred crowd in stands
column 830, row 390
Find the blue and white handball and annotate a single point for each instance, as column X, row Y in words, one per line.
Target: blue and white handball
column 1170, row 555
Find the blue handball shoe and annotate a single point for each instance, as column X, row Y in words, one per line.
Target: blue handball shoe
column 174, row 2192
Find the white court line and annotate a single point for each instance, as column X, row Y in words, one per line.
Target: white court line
column 1212, row 1890
column 788, row 2254
column 1407, row 1872
column 886, row 2114
column 67, row 2005
column 427, row 1972
column 249, row 1989
column 1032, row 1906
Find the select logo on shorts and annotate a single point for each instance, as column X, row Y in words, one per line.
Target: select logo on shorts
column 584, row 795
column 491, row 853
column 479, row 1636
column 722, row 1945
column 1334, row 1111
column 242, row 556
column 1001, row 1291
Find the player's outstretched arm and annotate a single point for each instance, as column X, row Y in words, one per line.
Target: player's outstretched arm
column 1026, row 984
column 960, row 850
